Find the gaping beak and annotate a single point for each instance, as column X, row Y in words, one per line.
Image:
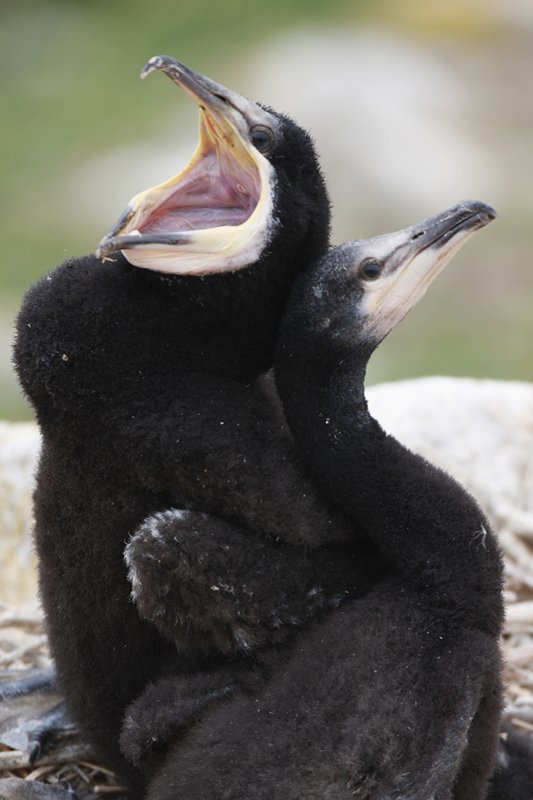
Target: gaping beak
column 216, row 214
column 412, row 258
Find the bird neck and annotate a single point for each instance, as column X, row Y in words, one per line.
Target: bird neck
column 431, row 531
column 230, row 320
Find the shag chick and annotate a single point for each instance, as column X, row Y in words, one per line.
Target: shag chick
column 142, row 367
column 398, row 693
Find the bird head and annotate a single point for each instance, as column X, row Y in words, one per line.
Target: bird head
column 221, row 211
column 359, row 291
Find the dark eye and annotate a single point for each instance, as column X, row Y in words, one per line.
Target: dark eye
column 262, row 138
column 371, row 270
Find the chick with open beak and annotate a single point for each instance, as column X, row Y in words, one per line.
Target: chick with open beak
column 216, row 215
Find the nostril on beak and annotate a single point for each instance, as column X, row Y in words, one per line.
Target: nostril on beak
column 417, row 235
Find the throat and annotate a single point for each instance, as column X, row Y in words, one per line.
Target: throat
column 214, row 193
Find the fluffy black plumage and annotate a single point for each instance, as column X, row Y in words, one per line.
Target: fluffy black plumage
column 396, row 694
column 145, row 389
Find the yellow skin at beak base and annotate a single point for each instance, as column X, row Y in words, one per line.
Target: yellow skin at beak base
column 224, row 248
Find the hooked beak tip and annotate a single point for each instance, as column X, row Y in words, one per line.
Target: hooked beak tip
column 489, row 214
column 159, row 62
column 151, row 65
column 482, row 211
column 479, row 210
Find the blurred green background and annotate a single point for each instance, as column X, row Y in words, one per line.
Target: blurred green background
column 413, row 105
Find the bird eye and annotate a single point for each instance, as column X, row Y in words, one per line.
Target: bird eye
column 262, row 138
column 371, row 270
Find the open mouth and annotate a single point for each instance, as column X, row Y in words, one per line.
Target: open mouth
column 216, row 214
column 215, row 190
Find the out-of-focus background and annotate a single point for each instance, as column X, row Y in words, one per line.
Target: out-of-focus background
column 413, row 106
